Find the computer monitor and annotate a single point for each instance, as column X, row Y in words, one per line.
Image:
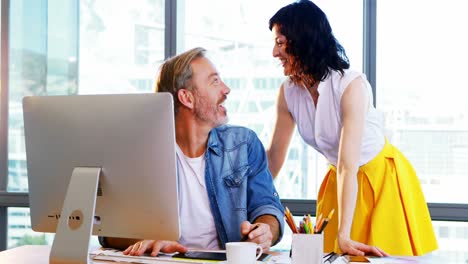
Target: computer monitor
column 105, row 163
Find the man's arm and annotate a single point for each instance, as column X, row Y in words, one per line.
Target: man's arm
column 274, row 226
column 137, row 247
column 116, row 242
column 263, row 205
column 265, row 231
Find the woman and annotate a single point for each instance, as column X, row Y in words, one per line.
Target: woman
column 380, row 205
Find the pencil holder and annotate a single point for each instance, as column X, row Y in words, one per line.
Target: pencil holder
column 307, row 249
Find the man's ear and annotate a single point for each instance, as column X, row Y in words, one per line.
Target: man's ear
column 186, row 98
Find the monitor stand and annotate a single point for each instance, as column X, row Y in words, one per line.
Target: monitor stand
column 75, row 226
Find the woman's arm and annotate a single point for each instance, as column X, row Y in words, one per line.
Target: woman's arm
column 282, row 133
column 354, row 106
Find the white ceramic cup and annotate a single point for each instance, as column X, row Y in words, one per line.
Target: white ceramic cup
column 242, row 252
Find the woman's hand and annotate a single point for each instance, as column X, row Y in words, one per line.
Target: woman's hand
column 154, row 246
column 355, row 248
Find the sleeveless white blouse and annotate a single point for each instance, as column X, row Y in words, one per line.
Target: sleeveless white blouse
column 320, row 126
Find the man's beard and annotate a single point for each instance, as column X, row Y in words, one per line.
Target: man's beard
column 208, row 112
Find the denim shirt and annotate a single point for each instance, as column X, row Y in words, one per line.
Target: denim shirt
column 239, row 184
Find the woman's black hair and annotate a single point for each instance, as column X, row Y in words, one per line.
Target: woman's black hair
column 310, row 41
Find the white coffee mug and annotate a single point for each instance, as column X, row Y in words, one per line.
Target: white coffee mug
column 242, row 252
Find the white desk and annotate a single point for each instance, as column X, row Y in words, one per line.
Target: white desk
column 27, row 255
column 40, row 255
column 31, row 254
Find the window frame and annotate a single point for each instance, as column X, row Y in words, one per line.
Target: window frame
column 5, row 4
column 438, row 211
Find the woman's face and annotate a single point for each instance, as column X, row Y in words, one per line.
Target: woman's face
column 279, row 50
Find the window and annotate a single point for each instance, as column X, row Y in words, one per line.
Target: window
column 121, row 46
column 420, row 75
column 420, row 63
column 452, row 239
column 148, row 41
column 74, row 47
column 241, row 46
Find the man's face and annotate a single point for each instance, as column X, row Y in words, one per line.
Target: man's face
column 210, row 92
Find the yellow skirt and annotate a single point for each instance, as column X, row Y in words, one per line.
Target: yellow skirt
column 391, row 211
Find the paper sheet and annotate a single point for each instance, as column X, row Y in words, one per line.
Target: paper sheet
column 116, row 256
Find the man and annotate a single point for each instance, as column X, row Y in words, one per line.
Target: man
column 226, row 189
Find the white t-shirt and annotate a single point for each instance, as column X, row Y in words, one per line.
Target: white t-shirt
column 196, row 220
column 320, row 126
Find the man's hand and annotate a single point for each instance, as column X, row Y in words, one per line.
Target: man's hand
column 262, row 235
column 154, row 246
